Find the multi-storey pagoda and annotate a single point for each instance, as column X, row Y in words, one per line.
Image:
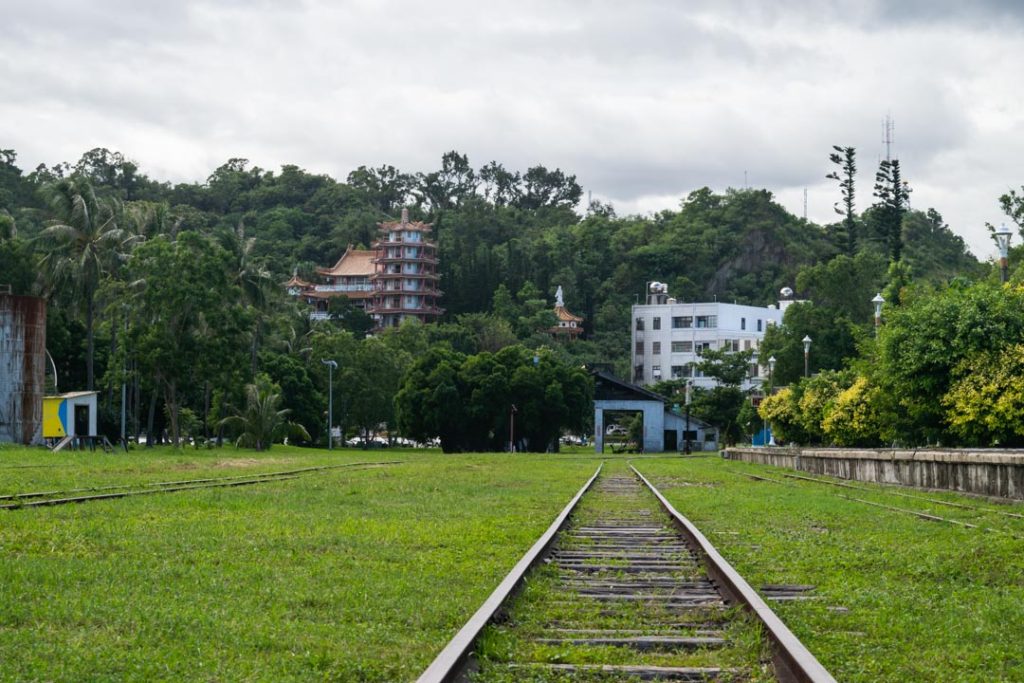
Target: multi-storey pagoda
column 405, row 273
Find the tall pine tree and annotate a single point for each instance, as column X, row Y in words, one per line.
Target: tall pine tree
column 846, row 159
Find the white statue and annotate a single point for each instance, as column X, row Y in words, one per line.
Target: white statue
column 558, row 297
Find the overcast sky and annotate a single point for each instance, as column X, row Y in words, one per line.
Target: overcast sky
column 644, row 100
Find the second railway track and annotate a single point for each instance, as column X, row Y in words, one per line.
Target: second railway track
column 19, row 501
column 623, row 590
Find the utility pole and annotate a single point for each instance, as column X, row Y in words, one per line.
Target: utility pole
column 331, row 367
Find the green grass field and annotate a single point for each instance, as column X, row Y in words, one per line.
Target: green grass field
column 345, row 575
column 898, row 598
column 363, row 575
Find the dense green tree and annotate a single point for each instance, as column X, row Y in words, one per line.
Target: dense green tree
column 298, row 391
column 845, row 286
column 186, row 318
column 833, row 341
column 925, row 340
column 469, row 401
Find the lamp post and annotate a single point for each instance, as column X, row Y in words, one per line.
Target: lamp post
column 878, row 301
column 1003, row 240
column 124, row 385
column 512, row 429
column 331, row 367
column 771, row 386
column 807, row 354
column 686, row 435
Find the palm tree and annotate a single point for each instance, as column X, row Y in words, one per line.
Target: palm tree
column 261, row 423
column 255, row 281
column 83, row 242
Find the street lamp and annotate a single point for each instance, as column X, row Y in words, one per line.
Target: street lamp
column 807, row 353
column 1003, row 240
column 686, row 447
column 331, row 367
column 771, row 387
column 512, row 416
column 512, row 429
column 878, row 301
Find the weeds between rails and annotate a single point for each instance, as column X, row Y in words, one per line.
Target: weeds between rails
column 626, row 591
column 52, row 498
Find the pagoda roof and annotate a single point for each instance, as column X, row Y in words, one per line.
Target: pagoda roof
column 406, row 224
column 297, row 281
column 563, row 314
column 353, row 262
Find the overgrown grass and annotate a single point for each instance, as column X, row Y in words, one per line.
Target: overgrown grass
column 342, row 575
column 898, row 598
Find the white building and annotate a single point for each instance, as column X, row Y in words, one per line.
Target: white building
column 668, row 336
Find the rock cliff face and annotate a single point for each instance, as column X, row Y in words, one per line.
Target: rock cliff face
column 761, row 261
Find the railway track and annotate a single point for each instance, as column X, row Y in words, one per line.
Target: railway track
column 623, row 588
column 32, row 499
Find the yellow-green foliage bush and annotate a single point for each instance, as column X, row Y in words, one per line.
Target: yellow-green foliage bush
column 985, row 404
column 782, row 412
column 854, row 418
column 816, row 401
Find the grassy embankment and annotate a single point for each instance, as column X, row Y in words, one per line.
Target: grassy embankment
column 342, row 575
column 898, row 598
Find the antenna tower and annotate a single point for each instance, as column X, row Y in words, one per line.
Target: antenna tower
column 887, row 135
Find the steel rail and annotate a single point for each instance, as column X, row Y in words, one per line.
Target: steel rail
column 86, row 489
column 186, row 485
column 793, row 661
column 450, row 662
column 888, row 491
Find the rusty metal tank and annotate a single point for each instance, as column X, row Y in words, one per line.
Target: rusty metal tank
column 22, row 368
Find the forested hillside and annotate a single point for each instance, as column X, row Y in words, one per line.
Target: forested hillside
column 89, row 236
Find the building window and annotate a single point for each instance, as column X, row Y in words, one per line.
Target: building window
column 743, row 323
column 656, row 371
column 638, row 373
column 759, row 321
column 711, row 321
column 682, row 371
column 639, row 324
column 656, row 325
column 639, row 348
column 682, row 347
column 702, row 346
column 682, row 322
column 655, row 347
column 753, row 370
column 746, row 344
column 731, row 344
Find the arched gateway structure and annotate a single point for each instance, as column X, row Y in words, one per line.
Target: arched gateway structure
column 664, row 430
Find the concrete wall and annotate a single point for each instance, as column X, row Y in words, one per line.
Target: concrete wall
column 998, row 473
